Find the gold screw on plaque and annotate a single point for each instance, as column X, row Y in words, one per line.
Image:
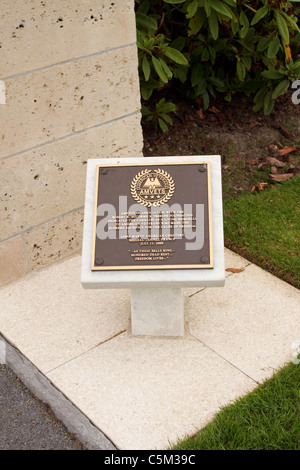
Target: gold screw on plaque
column 202, row 168
column 152, row 187
column 99, row 261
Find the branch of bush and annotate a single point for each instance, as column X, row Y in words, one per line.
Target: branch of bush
column 210, row 47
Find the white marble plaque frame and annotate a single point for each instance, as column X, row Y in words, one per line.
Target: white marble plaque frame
column 157, row 302
column 173, row 278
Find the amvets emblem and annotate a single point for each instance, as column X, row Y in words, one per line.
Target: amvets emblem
column 152, row 187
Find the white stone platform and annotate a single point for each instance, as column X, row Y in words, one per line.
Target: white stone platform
column 75, row 349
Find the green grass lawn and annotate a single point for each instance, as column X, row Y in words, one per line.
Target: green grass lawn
column 265, row 228
column 266, row 419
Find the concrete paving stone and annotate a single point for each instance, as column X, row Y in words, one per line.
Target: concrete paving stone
column 252, row 322
column 232, row 260
column 52, row 319
column 144, row 393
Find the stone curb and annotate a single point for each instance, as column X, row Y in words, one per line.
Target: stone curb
column 75, row 421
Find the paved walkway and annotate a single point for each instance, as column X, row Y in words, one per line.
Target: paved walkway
column 73, row 348
column 26, row 423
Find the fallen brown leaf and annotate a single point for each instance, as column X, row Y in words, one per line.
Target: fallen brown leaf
column 285, row 132
column 201, row 113
column 214, row 110
column 254, row 124
column 275, row 161
column 286, row 150
column 274, row 170
column 288, row 53
column 282, row 177
column 259, row 186
column 252, row 160
column 234, row 270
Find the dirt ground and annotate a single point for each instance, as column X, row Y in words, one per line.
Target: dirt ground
column 256, row 150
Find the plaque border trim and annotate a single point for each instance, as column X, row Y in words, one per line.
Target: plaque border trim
column 149, row 267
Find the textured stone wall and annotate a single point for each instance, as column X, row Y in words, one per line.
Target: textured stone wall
column 69, row 91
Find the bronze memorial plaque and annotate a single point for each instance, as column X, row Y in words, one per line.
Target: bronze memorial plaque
column 153, row 216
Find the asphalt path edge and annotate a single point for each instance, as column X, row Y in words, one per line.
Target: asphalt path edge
column 75, row 420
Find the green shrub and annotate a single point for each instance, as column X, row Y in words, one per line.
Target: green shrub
column 219, row 46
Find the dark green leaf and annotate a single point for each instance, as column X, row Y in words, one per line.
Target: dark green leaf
column 145, row 111
column 261, row 13
column 143, row 7
column 271, row 74
column 217, row 82
column 206, row 100
column 146, row 22
column 268, row 103
column 146, row 68
column 282, row 27
column 167, row 118
column 146, row 91
column 167, row 70
column 291, row 22
column 281, row 88
column 201, row 87
column 241, row 70
column 263, row 44
column 213, row 23
column 205, row 54
column 232, row 3
column 260, row 95
column 162, row 125
column 273, row 48
column 247, row 62
column 197, row 74
column 159, row 69
column 245, row 23
column 196, row 23
column 175, row 55
column 192, row 8
column 220, row 7
column 166, row 107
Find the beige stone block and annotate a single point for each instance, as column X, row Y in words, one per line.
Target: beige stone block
column 54, row 240
column 13, row 260
column 39, row 185
column 53, row 103
column 38, row 33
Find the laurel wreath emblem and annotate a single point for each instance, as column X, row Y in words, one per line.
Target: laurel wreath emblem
column 165, row 176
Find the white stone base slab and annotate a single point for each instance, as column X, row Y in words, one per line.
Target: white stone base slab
column 157, row 312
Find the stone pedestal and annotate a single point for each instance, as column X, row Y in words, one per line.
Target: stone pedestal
column 157, row 304
column 157, row 311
